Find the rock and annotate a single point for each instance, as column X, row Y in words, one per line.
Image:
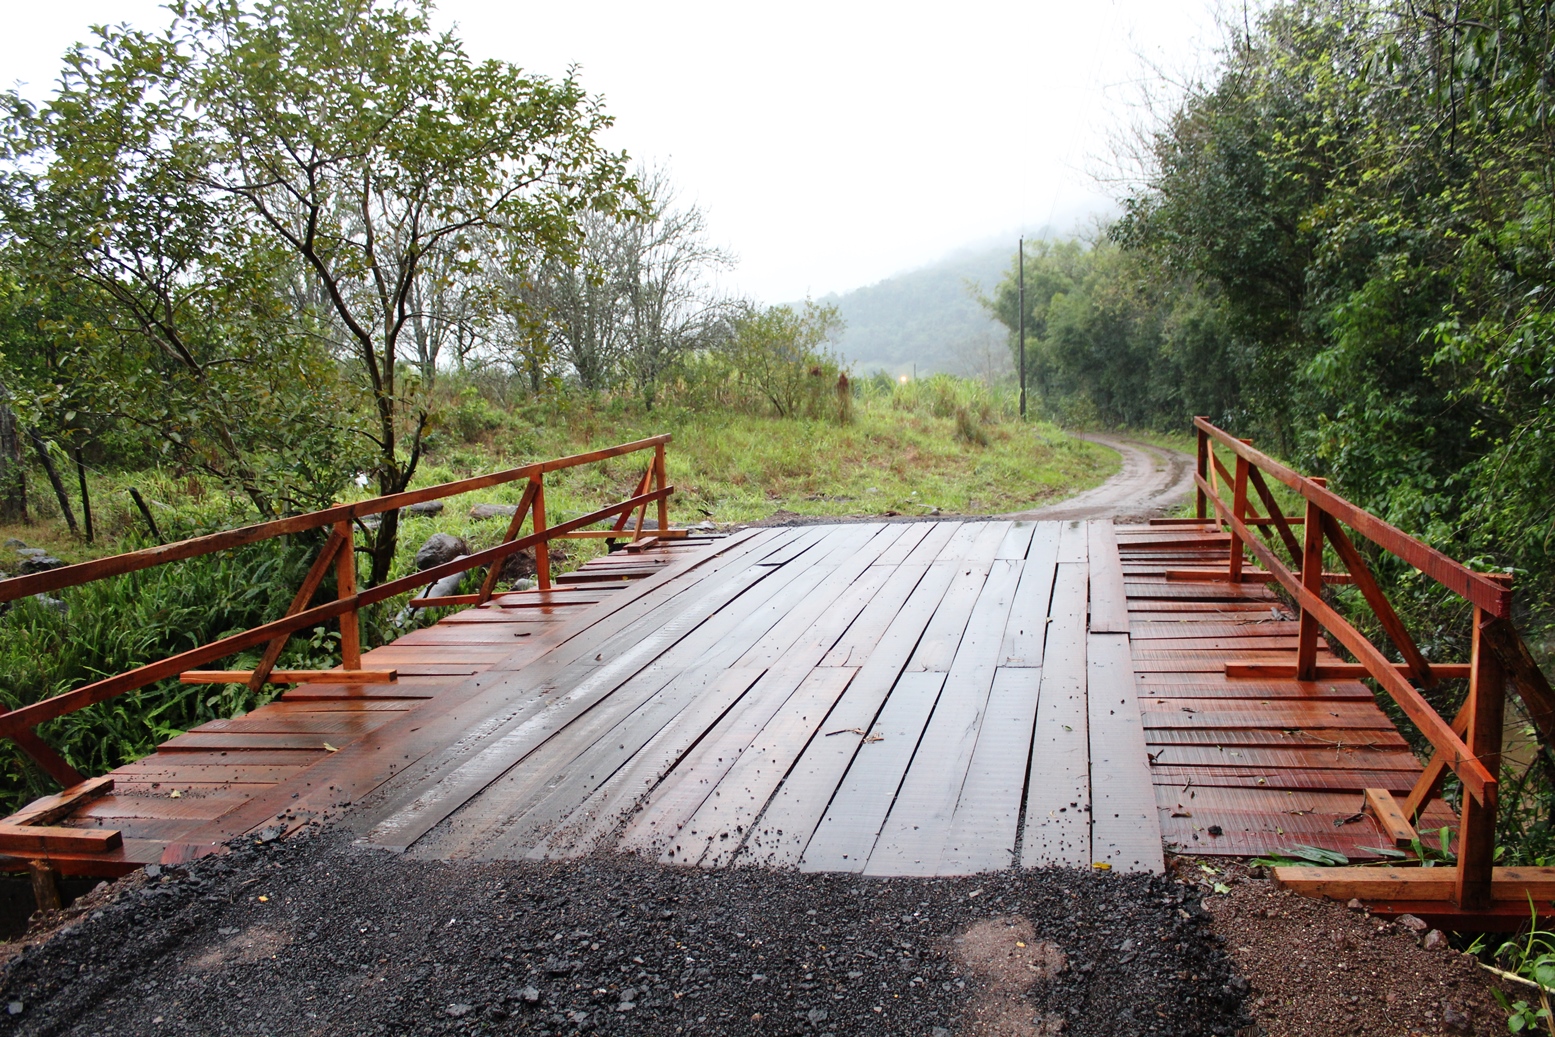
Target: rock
column 430, row 507
column 816, row 1016
column 529, row 995
column 704, row 524
column 153, row 871
column 1356, row 905
column 1455, row 1019
column 448, row 584
column 440, row 548
column 31, row 552
column 1413, row 924
column 15, row 1008
column 458, row 1011
column 39, row 563
column 1435, row 940
column 486, row 511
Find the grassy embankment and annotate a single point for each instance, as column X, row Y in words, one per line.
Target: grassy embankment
column 905, row 453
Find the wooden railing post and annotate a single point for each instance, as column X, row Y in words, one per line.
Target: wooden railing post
column 345, row 587
column 543, row 548
column 525, row 504
column 1312, row 580
column 659, row 482
column 1239, row 509
column 1486, row 708
column 1201, row 505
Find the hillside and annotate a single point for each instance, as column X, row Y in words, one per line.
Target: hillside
column 929, row 317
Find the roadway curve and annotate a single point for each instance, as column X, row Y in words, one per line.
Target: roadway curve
column 1152, row 481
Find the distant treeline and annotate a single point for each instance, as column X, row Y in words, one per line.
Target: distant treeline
column 1344, row 246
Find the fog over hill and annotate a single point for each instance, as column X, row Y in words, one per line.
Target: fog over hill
column 929, row 317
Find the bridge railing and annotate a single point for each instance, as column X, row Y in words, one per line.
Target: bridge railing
column 338, row 553
column 1470, row 744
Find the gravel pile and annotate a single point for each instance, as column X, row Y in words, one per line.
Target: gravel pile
column 314, row 935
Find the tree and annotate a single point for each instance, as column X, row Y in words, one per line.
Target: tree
column 379, row 154
column 135, row 296
column 781, row 354
column 672, row 309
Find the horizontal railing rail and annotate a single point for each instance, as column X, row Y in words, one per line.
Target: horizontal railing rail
column 337, row 551
column 1470, row 745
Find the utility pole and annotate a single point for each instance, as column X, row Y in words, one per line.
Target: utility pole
column 1021, row 277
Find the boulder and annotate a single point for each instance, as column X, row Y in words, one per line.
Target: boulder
column 38, row 563
column 440, row 548
column 486, row 511
column 430, row 507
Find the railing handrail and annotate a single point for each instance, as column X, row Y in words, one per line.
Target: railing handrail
column 133, row 561
column 28, row 716
column 1488, row 593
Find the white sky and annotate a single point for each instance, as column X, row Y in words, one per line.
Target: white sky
column 830, row 144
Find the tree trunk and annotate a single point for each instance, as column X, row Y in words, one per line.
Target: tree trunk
column 86, row 498
column 54, row 479
column 13, row 473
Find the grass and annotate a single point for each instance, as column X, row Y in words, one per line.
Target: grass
column 941, row 445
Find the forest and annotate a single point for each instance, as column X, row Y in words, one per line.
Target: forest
column 1341, row 244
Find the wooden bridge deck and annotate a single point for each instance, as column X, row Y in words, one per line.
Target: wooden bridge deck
column 909, row 698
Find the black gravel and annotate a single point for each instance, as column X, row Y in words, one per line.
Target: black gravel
column 315, row 936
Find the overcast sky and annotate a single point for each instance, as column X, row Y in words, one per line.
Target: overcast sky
column 830, row 144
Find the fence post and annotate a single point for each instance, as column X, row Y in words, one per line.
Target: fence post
column 345, row 587
column 1312, row 580
column 659, row 482
column 1477, row 824
column 1201, row 506
column 1238, row 509
column 543, row 548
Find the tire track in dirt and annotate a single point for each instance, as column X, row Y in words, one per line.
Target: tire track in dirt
column 1152, row 481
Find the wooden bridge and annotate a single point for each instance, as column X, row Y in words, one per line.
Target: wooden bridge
column 909, row 698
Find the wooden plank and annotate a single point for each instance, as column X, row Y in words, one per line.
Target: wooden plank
column 846, row 834
column 1026, row 633
column 919, row 824
column 1058, row 793
column 581, row 816
column 49, row 839
column 662, row 826
column 942, row 638
column 725, row 817
column 1016, row 541
column 774, row 630
column 1280, row 779
column 1411, row 883
column 986, row 825
column 291, row 676
column 1125, row 831
column 48, row 809
column 1335, row 670
column 1381, row 805
column 1073, row 542
column 909, row 599
column 1109, row 601
column 1303, row 758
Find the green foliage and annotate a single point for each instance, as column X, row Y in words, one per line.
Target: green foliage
column 780, row 356
column 117, row 624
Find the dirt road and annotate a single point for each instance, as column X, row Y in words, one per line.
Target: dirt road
column 1152, row 481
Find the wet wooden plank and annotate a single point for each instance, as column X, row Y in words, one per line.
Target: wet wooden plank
column 1026, row 633
column 909, row 600
column 1109, row 601
column 1125, row 832
column 916, row 830
column 846, row 834
column 984, row 830
column 1058, row 794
